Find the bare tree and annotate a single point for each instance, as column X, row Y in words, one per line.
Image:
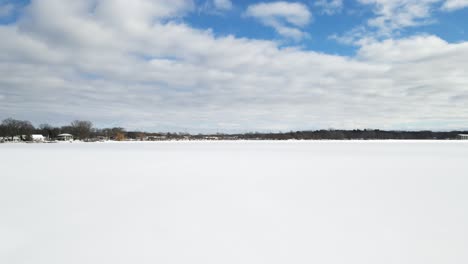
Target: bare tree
column 49, row 131
column 3, row 130
column 81, row 129
column 112, row 132
column 13, row 127
column 120, row 136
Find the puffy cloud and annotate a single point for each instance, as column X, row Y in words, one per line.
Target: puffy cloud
column 330, row 7
column 74, row 60
column 285, row 17
column 396, row 14
column 412, row 49
column 392, row 16
column 451, row 5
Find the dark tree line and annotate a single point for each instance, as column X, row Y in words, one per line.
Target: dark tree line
column 84, row 130
column 80, row 129
column 366, row 134
column 11, row 127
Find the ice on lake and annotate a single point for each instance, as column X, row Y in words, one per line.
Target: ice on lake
column 234, row 202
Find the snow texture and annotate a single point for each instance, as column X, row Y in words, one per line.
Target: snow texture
column 234, row 202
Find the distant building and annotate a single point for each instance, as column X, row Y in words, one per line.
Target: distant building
column 156, row 138
column 65, row 137
column 38, row 138
column 10, row 139
column 462, row 136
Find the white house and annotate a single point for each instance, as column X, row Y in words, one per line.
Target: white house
column 462, row 136
column 65, row 137
column 38, row 138
column 10, row 139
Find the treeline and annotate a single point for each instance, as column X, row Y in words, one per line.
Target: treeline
column 365, row 134
column 84, row 130
column 80, row 129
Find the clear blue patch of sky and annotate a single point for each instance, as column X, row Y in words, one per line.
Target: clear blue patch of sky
column 13, row 16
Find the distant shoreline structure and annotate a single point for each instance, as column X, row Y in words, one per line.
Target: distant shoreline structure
column 12, row 130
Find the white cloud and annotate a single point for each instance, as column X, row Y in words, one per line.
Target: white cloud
column 451, row 5
column 71, row 60
column 216, row 7
column 405, row 50
column 358, row 36
column 390, row 18
column 138, row 13
column 222, row 4
column 393, row 15
column 330, row 7
column 285, row 17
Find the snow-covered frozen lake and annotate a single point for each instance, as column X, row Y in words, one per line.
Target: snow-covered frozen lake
column 234, row 202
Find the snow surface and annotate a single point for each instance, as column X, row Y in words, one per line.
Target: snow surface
column 234, row 202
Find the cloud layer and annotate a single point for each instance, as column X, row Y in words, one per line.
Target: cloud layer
column 138, row 65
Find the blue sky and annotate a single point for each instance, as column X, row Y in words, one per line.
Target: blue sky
column 220, row 65
column 323, row 26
